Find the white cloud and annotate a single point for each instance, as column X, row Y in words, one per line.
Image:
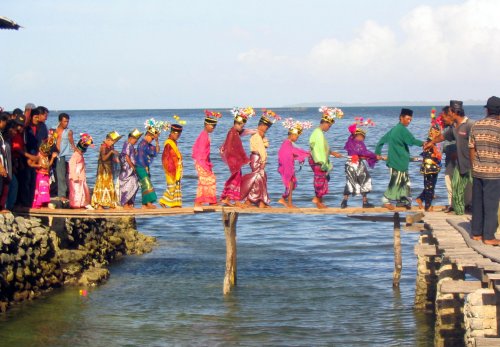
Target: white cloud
column 259, row 56
column 436, row 50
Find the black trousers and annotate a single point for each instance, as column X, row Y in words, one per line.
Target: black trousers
column 485, row 201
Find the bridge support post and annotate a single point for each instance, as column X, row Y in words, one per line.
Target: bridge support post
column 229, row 220
column 398, row 260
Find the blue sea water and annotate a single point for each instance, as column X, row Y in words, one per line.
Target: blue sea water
column 302, row 280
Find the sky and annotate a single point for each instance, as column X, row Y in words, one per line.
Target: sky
column 129, row 54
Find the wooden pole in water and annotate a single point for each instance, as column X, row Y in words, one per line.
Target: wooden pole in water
column 229, row 220
column 398, row 260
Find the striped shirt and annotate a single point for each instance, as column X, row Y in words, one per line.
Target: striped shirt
column 485, row 138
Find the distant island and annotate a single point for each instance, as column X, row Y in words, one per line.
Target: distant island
column 384, row 103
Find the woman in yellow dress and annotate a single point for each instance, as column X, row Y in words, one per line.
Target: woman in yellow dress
column 172, row 164
column 104, row 194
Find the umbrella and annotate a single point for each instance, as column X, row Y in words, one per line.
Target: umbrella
column 6, row 23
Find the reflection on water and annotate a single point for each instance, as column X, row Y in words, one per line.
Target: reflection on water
column 302, row 280
column 305, row 285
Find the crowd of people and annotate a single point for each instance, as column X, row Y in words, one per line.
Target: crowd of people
column 40, row 166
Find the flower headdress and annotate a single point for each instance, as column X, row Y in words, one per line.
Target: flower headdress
column 360, row 126
column 437, row 125
column 211, row 117
column 85, row 141
column 437, row 120
column 269, row 117
column 52, row 137
column 155, row 127
column 241, row 115
column 331, row 113
column 295, row 126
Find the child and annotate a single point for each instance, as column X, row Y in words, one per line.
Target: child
column 431, row 165
column 287, row 155
column 104, row 191
column 42, row 164
column 129, row 182
column 172, row 164
column 358, row 180
column 79, row 194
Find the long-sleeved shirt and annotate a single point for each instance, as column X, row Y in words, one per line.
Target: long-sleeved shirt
column 287, row 155
column 460, row 134
column 399, row 139
column 201, row 151
column 358, row 148
column 257, row 145
column 320, row 150
column 145, row 154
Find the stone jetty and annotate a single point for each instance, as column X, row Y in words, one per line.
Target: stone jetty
column 35, row 258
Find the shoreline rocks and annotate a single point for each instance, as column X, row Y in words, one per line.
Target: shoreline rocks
column 35, row 258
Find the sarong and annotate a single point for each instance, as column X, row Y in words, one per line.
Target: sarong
column 399, row 188
column 172, row 196
column 321, row 179
column 206, row 192
column 459, row 183
column 254, row 184
column 232, row 187
column 79, row 194
column 148, row 191
column 129, row 184
column 358, row 180
column 42, row 190
column 290, row 187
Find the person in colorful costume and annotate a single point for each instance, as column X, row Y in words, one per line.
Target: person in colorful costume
column 320, row 153
column 358, row 180
column 287, row 155
column 104, row 194
column 233, row 154
column 430, row 168
column 41, row 163
column 206, row 192
column 146, row 152
column 79, row 193
column 129, row 182
column 254, row 184
column 172, row 164
column 399, row 138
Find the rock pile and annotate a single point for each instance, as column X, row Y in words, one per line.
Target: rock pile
column 35, row 258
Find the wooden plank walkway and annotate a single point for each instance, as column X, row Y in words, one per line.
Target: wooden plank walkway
column 145, row 213
column 452, row 234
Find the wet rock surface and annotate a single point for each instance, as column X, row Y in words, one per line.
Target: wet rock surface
column 35, row 258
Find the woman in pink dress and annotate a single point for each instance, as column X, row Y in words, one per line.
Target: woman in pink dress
column 287, row 155
column 79, row 193
column 206, row 192
column 42, row 164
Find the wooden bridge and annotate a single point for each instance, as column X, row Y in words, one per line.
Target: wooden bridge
column 444, row 240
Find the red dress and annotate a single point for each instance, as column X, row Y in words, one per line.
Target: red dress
column 233, row 154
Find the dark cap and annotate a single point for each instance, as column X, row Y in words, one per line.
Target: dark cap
column 493, row 105
column 176, row 128
column 17, row 111
column 406, row 112
column 20, row 120
column 456, row 105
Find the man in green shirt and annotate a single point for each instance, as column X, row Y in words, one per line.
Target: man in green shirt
column 320, row 157
column 399, row 139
